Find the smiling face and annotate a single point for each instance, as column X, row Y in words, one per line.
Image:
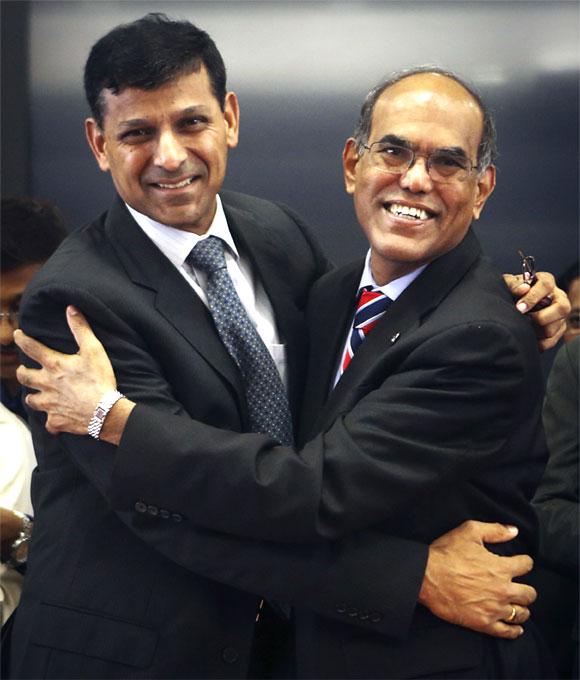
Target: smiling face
column 408, row 219
column 166, row 148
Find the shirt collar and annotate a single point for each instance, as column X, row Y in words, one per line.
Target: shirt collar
column 176, row 244
column 392, row 289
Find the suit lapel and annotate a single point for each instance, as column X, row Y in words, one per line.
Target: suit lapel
column 330, row 311
column 404, row 316
column 174, row 299
column 256, row 242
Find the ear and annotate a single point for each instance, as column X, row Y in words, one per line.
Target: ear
column 96, row 139
column 232, row 119
column 350, row 159
column 485, row 185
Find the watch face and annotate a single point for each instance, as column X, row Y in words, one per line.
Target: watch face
column 20, row 551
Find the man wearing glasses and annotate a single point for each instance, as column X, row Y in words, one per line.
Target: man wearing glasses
column 431, row 420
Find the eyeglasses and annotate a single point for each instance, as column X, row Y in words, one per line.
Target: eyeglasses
column 573, row 321
column 529, row 276
column 443, row 167
column 12, row 316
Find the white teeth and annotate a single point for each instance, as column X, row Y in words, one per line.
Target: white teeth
column 408, row 211
column 180, row 185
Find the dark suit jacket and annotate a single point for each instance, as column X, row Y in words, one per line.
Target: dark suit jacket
column 140, row 592
column 436, row 421
column 556, row 504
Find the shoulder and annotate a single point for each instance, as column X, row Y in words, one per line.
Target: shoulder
column 280, row 229
column 481, row 297
column 273, row 216
column 74, row 257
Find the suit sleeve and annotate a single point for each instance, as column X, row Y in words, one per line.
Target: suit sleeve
column 361, row 574
column 447, row 411
column 556, row 500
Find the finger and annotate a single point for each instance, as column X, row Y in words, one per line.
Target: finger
column 552, row 329
column 32, row 348
column 516, row 615
column 80, row 328
column 558, row 310
column 522, row 594
column 29, row 377
column 504, row 630
column 543, row 288
column 492, row 532
column 517, row 565
column 548, row 343
column 34, row 401
column 516, row 284
column 521, row 616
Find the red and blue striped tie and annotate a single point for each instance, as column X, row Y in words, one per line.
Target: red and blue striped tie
column 372, row 304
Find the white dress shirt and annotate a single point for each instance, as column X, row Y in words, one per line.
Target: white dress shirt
column 176, row 245
column 17, row 461
column 392, row 290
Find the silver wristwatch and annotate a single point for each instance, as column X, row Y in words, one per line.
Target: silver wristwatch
column 108, row 400
column 19, row 548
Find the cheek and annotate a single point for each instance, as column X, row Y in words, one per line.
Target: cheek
column 457, row 202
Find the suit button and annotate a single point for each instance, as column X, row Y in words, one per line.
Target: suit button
column 176, row 517
column 364, row 615
column 230, row 655
column 140, row 506
column 341, row 608
column 153, row 510
column 164, row 513
column 352, row 612
column 375, row 617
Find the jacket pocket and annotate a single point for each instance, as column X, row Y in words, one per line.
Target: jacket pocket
column 94, row 635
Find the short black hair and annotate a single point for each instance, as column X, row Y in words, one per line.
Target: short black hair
column 147, row 53
column 487, row 151
column 31, row 231
column 565, row 279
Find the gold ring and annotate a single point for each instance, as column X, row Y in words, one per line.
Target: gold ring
column 512, row 615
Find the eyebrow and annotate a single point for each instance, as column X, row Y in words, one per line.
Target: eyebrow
column 133, row 122
column 456, row 151
column 188, row 111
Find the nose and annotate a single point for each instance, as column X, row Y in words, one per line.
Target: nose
column 170, row 152
column 416, row 178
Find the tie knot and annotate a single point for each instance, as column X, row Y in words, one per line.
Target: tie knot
column 208, row 255
column 372, row 304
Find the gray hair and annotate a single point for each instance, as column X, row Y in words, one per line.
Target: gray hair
column 487, row 150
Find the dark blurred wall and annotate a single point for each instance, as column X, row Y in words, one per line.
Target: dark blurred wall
column 15, row 137
column 301, row 70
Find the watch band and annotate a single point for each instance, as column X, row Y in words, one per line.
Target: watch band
column 106, row 403
column 18, row 549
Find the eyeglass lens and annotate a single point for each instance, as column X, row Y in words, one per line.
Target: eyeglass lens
column 12, row 317
column 398, row 159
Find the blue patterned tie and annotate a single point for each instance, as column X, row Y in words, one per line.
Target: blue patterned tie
column 268, row 407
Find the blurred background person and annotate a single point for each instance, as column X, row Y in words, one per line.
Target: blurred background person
column 556, row 503
column 31, row 230
column 569, row 282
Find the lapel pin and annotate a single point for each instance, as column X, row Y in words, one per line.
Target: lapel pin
column 395, row 338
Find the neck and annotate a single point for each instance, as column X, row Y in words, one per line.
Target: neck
column 385, row 272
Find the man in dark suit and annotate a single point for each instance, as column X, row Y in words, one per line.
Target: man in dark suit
column 137, row 590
